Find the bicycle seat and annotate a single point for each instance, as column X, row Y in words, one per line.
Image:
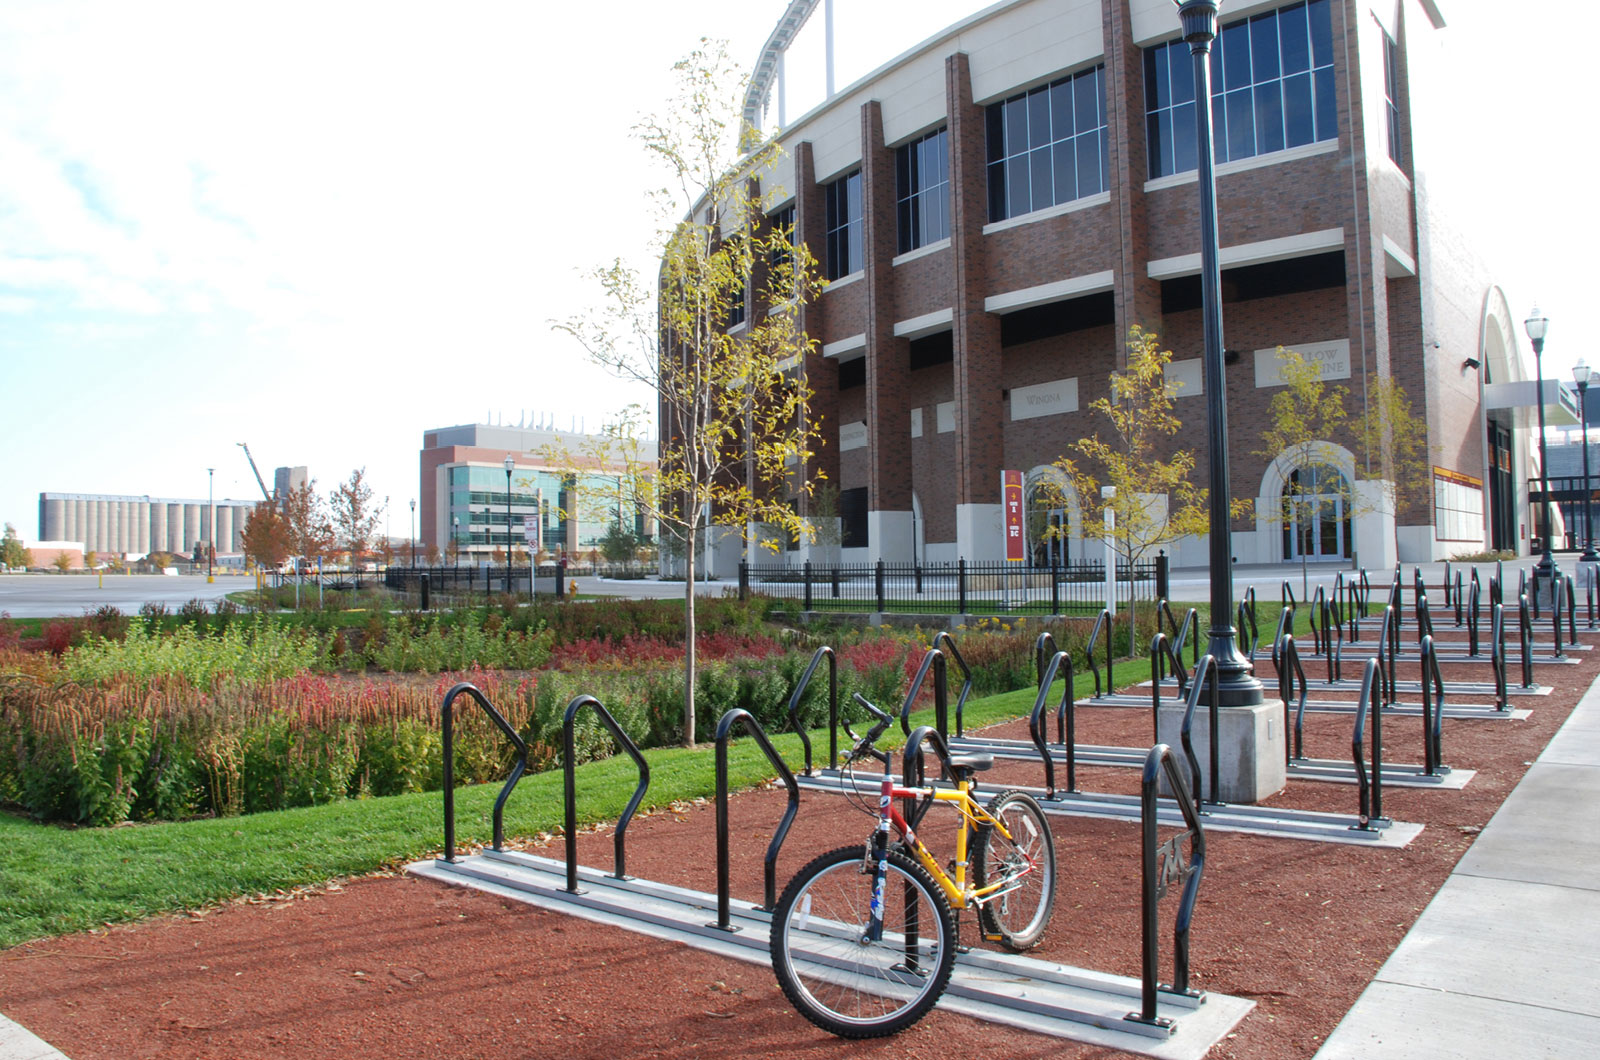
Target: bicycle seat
column 975, row 762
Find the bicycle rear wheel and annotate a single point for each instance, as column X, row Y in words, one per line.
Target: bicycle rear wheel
column 1023, row 866
column 848, row 986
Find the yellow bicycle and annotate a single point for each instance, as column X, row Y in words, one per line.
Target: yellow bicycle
column 864, row 937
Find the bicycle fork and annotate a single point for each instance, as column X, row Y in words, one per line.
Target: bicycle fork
column 880, row 875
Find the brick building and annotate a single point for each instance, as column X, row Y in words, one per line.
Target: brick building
column 998, row 206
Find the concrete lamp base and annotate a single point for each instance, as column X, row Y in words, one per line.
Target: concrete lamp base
column 1251, row 767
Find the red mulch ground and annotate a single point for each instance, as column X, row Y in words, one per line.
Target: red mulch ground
column 388, row 965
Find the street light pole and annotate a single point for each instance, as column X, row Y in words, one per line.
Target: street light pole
column 1580, row 375
column 510, row 463
column 455, row 535
column 1537, row 325
column 211, row 515
column 1237, row 683
column 413, row 533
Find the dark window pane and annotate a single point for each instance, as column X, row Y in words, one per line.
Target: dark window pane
column 1041, row 185
column 1086, row 105
column 1157, row 87
column 1321, row 20
column 1017, row 125
column 1235, row 43
column 994, row 121
column 1219, row 130
column 1065, row 187
column 1294, row 41
column 1216, row 69
column 1264, row 47
column 1269, row 118
column 1017, row 201
column 1061, row 110
column 1327, row 106
column 1185, row 141
column 1158, row 147
column 1241, row 124
column 1105, row 161
column 902, row 173
column 1301, row 128
column 997, row 191
column 856, row 258
column 1182, row 64
column 1089, row 164
column 1038, row 118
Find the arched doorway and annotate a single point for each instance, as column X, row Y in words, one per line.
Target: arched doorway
column 1317, row 523
column 1050, row 517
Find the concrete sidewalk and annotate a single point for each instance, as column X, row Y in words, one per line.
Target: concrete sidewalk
column 1504, row 961
column 19, row 1043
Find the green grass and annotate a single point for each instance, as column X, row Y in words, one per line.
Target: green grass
column 56, row 880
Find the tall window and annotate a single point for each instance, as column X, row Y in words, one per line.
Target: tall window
column 1271, row 88
column 843, row 230
column 734, row 249
column 780, row 252
column 1391, row 94
column 922, row 190
column 1048, row 146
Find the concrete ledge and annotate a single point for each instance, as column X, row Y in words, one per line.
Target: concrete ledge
column 1251, row 741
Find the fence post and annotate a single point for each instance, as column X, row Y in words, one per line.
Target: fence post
column 878, row 584
column 561, row 579
column 1163, row 590
column 807, row 576
column 425, row 588
column 1055, row 590
column 961, row 585
column 744, row 580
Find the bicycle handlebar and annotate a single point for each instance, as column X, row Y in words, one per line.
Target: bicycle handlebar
column 863, row 744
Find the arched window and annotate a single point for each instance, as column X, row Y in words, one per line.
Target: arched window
column 1316, row 507
column 1047, row 521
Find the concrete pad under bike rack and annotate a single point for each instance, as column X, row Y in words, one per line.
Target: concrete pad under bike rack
column 1274, row 821
column 1033, row 995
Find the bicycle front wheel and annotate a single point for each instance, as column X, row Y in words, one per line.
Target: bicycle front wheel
column 1022, row 870
column 832, row 974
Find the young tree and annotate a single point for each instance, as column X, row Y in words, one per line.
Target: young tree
column 1302, row 419
column 619, row 545
column 431, row 555
column 63, row 561
column 733, row 404
column 310, row 533
column 827, row 532
column 1155, row 501
column 12, row 554
column 161, row 560
column 89, row 558
column 355, row 516
column 452, row 550
column 266, row 536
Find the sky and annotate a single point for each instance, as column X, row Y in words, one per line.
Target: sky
column 323, row 228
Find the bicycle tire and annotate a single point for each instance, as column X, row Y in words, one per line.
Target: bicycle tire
column 1017, row 917
column 843, row 985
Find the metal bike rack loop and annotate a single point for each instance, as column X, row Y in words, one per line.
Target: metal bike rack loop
column 738, row 715
column 1162, row 865
column 447, row 724
column 569, row 770
column 798, row 694
column 949, row 642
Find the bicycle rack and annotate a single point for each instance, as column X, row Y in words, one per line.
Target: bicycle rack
column 912, row 773
column 1387, row 657
column 1066, row 715
column 1036, row 727
column 1457, row 598
column 1525, row 639
column 1558, row 595
column 932, row 658
column 1285, row 624
column 1318, row 609
column 1206, row 672
column 1286, row 593
column 1447, row 598
column 1432, row 710
column 1497, row 657
column 447, row 723
column 1246, row 615
column 570, row 783
column 833, row 706
column 753, row 727
column 1472, row 616
column 1162, row 865
column 966, row 676
column 1287, row 658
column 1162, row 652
column 1371, row 794
column 1102, row 623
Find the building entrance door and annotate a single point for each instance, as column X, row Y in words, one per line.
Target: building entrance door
column 1502, row 496
column 1318, row 526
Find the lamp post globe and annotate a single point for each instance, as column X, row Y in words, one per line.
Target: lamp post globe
column 1581, row 374
column 1537, row 325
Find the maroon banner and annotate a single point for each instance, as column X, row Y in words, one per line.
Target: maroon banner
column 1011, row 502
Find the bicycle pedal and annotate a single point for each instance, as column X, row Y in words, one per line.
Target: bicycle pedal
column 993, row 938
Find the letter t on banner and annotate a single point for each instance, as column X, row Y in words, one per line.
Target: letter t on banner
column 1011, row 501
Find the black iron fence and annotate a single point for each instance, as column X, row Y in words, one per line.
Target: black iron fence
column 962, row 587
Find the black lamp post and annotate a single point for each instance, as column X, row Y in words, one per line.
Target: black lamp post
column 413, row 533
column 510, row 463
column 211, row 514
column 455, row 535
column 1580, row 375
column 1537, row 325
column 1236, row 676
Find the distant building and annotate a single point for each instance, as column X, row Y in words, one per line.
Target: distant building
column 463, row 492
column 136, row 526
column 285, row 480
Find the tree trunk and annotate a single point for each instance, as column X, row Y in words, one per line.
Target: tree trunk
column 688, row 646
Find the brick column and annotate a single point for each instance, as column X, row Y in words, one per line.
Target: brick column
column 980, row 412
column 889, row 524
column 1138, row 297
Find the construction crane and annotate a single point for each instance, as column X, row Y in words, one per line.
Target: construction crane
column 264, row 492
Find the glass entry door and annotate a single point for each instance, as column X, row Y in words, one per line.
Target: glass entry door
column 1317, row 515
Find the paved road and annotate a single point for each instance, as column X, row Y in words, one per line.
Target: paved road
column 52, row 595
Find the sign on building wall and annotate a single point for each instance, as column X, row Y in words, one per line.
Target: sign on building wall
column 916, row 423
column 1332, row 359
column 1011, row 504
column 1044, row 399
column 1457, row 506
column 852, row 435
column 1185, row 378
